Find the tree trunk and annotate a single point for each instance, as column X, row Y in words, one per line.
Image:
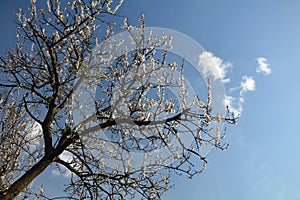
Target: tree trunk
column 19, row 185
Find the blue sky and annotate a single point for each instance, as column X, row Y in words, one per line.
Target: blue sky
column 263, row 161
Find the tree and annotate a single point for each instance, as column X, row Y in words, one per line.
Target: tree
column 47, row 108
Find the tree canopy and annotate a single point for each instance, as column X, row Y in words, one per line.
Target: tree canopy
column 120, row 110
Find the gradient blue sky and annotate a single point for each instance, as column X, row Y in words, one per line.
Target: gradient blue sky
column 263, row 161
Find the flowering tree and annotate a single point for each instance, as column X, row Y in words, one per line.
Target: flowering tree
column 110, row 106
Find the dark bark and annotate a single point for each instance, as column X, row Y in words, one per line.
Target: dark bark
column 18, row 186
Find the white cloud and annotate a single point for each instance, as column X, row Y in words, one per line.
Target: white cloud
column 34, row 134
column 236, row 103
column 263, row 66
column 56, row 172
column 215, row 66
column 34, row 130
column 247, row 84
column 66, row 156
column 62, row 170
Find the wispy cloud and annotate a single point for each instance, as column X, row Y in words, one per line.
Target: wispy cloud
column 66, row 156
column 215, row 66
column 62, row 170
column 263, row 66
column 34, row 135
column 236, row 103
column 247, row 84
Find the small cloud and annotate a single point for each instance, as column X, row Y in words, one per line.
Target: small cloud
column 235, row 105
column 66, row 156
column 55, row 172
column 62, row 170
column 34, row 135
column 263, row 66
column 215, row 66
column 34, row 130
column 247, row 84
